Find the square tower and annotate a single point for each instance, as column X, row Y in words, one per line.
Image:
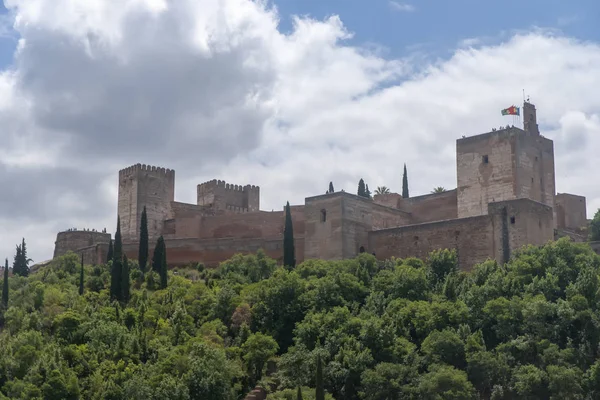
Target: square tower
column 221, row 195
column 504, row 164
column 144, row 185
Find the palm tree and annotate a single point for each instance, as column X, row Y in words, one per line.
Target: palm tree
column 438, row 189
column 382, row 190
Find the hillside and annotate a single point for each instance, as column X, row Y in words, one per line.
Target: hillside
column 401, row 329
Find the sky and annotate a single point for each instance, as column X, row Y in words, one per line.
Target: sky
column 286, row 94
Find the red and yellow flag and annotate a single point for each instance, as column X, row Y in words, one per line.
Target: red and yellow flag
column 512, row 110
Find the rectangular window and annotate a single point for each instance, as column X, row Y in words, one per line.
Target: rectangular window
column 485, row 159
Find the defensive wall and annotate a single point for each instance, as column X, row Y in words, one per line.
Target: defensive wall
column 571, row 211
column 225, row 196
column 92, row 244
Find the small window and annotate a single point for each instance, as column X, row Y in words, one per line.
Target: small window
column 531, row 180
column 416, row 238
column 512, row 220
column 485, row 159
column 535, row 158
column 362, row 249
column 323, row 215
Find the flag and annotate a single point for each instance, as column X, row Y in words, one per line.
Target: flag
column 512, row 110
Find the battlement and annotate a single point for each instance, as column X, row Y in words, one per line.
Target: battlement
column 227, row 186
column 146, row 168
column 237, row 210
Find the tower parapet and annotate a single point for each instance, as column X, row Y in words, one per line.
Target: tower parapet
column 226, row 196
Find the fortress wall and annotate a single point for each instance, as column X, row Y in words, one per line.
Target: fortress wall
column 213, row 251
column 480, row 183
column 76, row 240
column 389, row 200
column 472, row 237
column 571, row 211
column 220, row 194
column 431, row 207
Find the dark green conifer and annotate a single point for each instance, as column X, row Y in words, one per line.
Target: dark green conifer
column 159, row 261
column 299, row 395
column 81, row 277
column 117, row 265
column 143, row 250
column 157, row 256
column 331, row 187
column 125, row 283
column 5, row 286
column 405, row 184
column 320, row 390
column 289, row 256
column 24, row 264
column 17, row 261
column 367, row 192
column 361, row 188
column 110, row 254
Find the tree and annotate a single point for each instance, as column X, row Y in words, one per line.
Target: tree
column 17, row 261
column 320, row 389
column 405, row 184
column 81, row 277
column 331, row 187
column 289, row 257
column 5, row 286
column 21, row 262
column 164, row 267
column 117, row 265
column 299, row 394
column 125, row 284
column 367, row 192
column 382, row 190
column 439, row 189
column 595, row 227
column 143, row 250
column 362, row 192
column 109, row 255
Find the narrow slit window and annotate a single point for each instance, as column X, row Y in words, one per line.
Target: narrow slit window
column 323, row 215
column 485, row 159
column 512, row 220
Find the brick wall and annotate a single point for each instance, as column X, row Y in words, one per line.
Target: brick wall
column 431, row 207
column 571, row 211
column 481, row 182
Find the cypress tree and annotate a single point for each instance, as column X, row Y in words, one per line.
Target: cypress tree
column 157, row 257
column 163, row 266
column 367, row 192
column 404, row 184
column 320, row 390
column 117, row 265
column 125, row 283
column 17, row 261
column 109, row 255
column 299, row 395
column 143, row 251
column 81, row 277
column 331, row 187
column 289, row 257
column 361, row 188
column 5, row 286
column 24, row 260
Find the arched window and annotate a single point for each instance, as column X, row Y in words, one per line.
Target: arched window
column 362, row 249
column 323, row 215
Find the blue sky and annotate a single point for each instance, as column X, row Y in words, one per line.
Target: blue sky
column 433, row 27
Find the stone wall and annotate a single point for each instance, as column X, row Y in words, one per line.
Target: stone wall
column 337, row 224
column 224, row 196
column 571, row 211
column 431, row 207
column 472, row 238
column 93, row 245
column 485, row 171
column 139, row 186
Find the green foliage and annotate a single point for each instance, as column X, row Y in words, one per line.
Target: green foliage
column 405, row 184
column 81, row 278
column 5, row 286
column 143, row 249
column 21, row 262
column 110, row 254
column 289, row 256
column 351, row 329
column 595, row 227
column 159, row 261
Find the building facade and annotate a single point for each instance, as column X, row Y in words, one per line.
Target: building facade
column 505, row 199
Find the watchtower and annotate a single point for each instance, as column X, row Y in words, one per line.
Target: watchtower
column 144, row 185
column 505, row 164
column 221, row 195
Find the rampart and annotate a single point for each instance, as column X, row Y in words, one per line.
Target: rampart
column 431, row 207
column 93, row 245
column 570, row 211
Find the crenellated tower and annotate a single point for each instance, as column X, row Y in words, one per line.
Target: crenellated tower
column 144, row 185
column 224, row 196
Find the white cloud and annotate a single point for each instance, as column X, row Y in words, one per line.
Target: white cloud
column 404, row 7
column 214, row 90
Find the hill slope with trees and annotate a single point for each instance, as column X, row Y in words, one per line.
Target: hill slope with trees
column 400, row 329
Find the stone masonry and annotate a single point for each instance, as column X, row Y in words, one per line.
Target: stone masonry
column 505, row 199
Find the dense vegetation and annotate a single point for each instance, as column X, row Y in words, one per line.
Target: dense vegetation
column 391, row 330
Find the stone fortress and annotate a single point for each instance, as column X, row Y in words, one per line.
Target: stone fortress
column 505, row 198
